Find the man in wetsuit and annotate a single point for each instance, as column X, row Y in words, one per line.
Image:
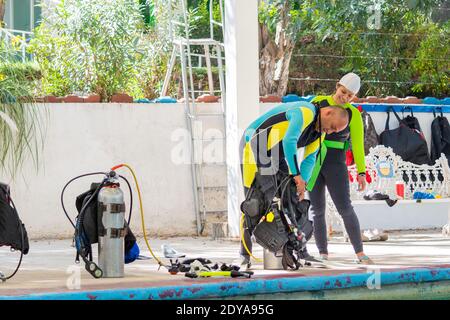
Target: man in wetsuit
column 269, row 151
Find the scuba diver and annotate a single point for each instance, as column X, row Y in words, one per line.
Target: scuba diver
column 333, row 173
column 269, row 153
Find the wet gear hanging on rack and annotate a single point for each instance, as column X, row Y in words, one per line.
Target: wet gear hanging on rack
column 405, row 141
column 12, row 231
column 440, row 137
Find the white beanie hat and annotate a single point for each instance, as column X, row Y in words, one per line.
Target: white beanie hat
column 351, row 81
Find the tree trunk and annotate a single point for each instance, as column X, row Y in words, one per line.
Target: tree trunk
column 2, row 12
column 275, row 57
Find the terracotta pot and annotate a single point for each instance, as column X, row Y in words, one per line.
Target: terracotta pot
column 372, row 99
column 93, row 98
column 270, row 99
column 121, row 98
column 411, row 100
column 391, row 99
column 207, row 98
column 52, row 99
column 358, row 100
column 73, row 99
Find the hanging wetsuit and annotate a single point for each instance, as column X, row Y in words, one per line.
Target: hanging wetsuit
column 333, row 174
column 269, row 152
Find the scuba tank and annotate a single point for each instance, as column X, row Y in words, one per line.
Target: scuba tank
column 111, row 228
column 101, row 219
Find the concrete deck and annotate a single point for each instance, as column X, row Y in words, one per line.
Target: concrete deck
column 49, row 271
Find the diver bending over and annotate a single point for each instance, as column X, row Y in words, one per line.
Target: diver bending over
column 269, row 153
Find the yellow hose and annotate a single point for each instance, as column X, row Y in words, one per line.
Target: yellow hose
column 243, row 240
column 141, row 209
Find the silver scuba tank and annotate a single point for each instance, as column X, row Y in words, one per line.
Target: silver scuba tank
column 111, row 229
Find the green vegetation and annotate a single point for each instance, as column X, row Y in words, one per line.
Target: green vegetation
column 21, row 126
column 402, row 51
column 89, row 47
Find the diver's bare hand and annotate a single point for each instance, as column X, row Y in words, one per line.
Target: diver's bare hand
column 301, row 187
column 361, row 182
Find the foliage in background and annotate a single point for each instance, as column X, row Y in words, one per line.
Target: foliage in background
column 432, row 63
column 279, row 24
column 147, row 8
column 107, row 46
column 104, row 47
column 151, row 74
column 159, row 40
column 393, row 58
column 90, row 47
column 2, row 11
column 21, row 126
column 202, row 26
column 157, row 48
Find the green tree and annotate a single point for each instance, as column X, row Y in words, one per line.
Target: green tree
column 431, row 66
column 372, row 34
column 2, row 11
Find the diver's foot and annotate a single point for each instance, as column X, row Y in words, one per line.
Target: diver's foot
column 323, row 257
column 363, row 259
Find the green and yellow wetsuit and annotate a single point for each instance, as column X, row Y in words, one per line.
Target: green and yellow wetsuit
column 272, row 141
column 270, row 149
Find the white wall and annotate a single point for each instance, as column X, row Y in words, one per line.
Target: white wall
column 84, row 138
column 402, row 216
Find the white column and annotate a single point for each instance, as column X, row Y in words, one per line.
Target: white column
column 242, row 92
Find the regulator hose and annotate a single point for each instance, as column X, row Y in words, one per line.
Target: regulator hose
column 93, row 174
column 141, row 210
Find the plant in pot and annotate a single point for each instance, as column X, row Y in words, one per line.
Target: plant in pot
column 21, row 123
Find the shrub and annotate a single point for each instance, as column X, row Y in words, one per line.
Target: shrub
column 90, row 46
column 21, row 126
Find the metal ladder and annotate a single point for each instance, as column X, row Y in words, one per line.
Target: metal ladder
column 182, row 45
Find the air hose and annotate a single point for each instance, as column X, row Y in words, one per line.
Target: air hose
column 141, row 210
column 243, row 240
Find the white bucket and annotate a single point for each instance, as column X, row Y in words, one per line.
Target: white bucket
column 271, row 262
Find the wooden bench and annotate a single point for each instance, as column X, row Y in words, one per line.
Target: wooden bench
column 385, row 168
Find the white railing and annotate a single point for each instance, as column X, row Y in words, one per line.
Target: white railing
column 17, row 39
column 385, row 168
